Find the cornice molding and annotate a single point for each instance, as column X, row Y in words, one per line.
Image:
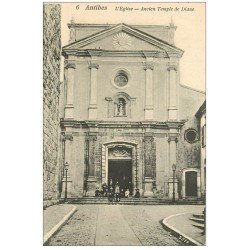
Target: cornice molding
column 94, row 52
column 105, row 26
column 115, row 53
column 122, row 124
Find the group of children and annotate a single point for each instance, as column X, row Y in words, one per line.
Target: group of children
column 114, row 194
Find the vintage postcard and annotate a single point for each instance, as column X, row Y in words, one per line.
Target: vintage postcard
column 124, row 125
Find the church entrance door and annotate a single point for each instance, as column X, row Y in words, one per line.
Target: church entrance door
column 120, row 171
column 191, row 183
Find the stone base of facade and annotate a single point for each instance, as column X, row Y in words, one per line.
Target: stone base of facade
column 48, row 203
column 100, row 146
column 148, row 187
column 92, row 184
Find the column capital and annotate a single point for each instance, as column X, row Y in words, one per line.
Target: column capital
column 173, row 137
column 92, row 137
column 93, row 65
column 67, row 136
column 148, row 65
column 70, row 65
column 172, row 67
column 148, row 138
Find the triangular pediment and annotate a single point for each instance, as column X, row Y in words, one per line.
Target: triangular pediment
column 122, row 38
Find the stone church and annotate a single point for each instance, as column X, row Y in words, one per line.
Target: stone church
column 126, row 117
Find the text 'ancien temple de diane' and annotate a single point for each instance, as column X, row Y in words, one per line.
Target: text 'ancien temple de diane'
column 126, row 117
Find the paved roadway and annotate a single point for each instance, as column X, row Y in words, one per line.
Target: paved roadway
column 119, row 225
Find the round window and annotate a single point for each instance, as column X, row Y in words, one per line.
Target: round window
column 121, row 80
column 191, row 135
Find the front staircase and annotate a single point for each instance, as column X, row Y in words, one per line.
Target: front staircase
column 199, row 221
column 131, row 201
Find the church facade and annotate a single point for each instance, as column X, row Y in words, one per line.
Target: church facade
column 126, row 117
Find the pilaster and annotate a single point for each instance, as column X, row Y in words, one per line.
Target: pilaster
column 93, row 90
column 149, row 164
column 91, row 164
column 69, row 108
column 172, row 108
column 149, row 110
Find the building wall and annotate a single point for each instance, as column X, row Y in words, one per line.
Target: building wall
column 189, row 102
column 160, row 141
column 78, row 158
column 51, row 88
column 135, row 88
column 189, row 154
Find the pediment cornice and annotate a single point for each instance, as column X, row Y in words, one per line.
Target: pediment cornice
column 117, row 53
column 78, row 47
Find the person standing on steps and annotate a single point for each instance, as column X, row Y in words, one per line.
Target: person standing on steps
column 110, row 195
column 117, row 192
column 105, row 189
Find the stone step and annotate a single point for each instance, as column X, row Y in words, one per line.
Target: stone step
column 128, row 201
column 191, row 198
column 201, row 216
column 122, row 201
column 198, row 220
column 200, row 226
column 105, row 198
column 133, row 198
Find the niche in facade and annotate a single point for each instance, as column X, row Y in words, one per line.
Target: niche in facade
column 121, row 105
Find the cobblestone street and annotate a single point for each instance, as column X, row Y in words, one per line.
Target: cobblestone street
column 118, row 225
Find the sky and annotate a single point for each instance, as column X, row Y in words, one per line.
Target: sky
column 189, row 36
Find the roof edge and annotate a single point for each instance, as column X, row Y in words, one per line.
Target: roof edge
column 197, row 90
column 108, row 25
column 201, row 110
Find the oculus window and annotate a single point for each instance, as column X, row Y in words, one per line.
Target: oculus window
column 121, row 80
column 191, row 135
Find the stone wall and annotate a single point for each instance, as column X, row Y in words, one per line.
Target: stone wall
column 51, row 88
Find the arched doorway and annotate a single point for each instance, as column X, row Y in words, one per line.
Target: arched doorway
column 191, row 183
column 120, row 167
column 120, row 163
